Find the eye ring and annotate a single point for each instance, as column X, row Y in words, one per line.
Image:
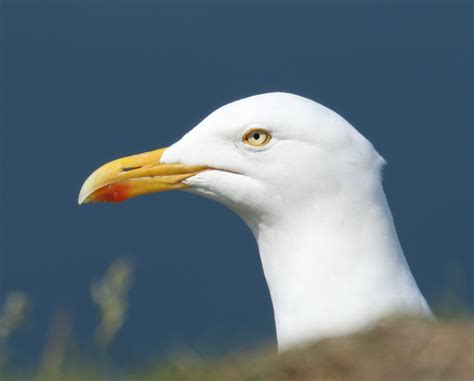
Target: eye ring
column 256, row 137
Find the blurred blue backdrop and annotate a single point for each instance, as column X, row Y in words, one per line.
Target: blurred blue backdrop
column 87, row 81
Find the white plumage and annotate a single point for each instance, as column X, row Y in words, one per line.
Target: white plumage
column 313, row 198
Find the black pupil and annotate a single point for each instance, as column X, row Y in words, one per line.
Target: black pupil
column 256, row 135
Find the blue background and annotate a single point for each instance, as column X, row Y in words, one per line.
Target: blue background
column 84, row 82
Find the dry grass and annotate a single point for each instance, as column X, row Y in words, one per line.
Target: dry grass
column 401, row 349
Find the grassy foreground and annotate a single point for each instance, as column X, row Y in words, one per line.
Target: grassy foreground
column 401, row 349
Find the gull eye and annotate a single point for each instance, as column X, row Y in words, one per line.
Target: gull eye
column 256, row 137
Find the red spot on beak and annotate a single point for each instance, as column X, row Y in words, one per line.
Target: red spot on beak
column 117, row 192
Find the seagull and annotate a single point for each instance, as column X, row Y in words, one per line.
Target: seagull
column 309, row 187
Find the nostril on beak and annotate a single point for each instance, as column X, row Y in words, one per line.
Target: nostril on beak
column 126, row 169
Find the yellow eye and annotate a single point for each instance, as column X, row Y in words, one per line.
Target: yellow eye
column 256, row 137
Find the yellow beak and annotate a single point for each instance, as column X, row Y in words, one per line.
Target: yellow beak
column 133, row 176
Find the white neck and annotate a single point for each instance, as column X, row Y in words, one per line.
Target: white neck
column 335, row 267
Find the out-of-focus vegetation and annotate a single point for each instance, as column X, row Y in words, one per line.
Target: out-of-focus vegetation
column 14, row 314
column 396, row 349
column 111, row 296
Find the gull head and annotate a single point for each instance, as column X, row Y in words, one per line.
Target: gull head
column 260, row 156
